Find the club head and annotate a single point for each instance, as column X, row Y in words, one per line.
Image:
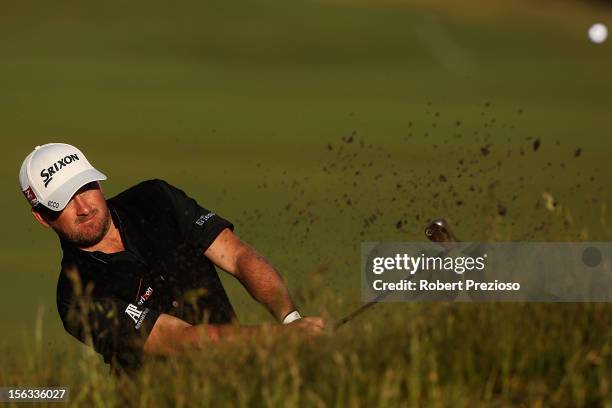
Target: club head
column 439, row 231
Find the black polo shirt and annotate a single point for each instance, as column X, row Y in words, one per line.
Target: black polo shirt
column 112, row 301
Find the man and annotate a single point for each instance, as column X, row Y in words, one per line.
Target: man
column 138, row 270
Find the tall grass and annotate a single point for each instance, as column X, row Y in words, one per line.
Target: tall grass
column 396, row 355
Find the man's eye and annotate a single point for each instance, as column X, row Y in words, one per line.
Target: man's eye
column 89, row 186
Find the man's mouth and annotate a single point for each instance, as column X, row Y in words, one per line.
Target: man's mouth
column 88, row 219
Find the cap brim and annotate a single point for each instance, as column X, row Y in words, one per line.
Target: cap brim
column 62, row 196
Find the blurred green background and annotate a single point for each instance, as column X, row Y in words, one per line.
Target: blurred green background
column 312, row 125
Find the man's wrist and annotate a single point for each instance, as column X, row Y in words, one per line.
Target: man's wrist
column 291, row 317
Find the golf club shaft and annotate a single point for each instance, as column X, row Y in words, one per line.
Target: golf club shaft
column 360, row 310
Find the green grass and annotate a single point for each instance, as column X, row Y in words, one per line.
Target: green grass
column 398, row 355
column 239, row 103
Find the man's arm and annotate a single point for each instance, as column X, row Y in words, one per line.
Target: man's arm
column 204, row 229
column 173, row 336
column 254, row 272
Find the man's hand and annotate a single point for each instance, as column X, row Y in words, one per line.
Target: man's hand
column 309, row 325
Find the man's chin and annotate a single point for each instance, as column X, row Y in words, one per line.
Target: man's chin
column 84, row 241
column 92, row 233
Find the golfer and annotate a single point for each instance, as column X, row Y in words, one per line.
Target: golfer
column 138, row 270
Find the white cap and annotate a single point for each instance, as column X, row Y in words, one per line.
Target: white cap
column 53, row 172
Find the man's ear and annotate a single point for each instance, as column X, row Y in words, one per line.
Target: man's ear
column 40, row 218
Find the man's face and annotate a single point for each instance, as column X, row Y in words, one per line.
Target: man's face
column 85, row 220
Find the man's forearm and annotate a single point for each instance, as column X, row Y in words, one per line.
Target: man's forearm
column 172, row 336
column 256, row 274
column 197, row 335
column 264, row 283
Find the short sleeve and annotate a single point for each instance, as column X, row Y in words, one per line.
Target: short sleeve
column 197, row 225
column 114, row 328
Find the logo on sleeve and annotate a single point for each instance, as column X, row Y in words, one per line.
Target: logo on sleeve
column 203, row 218
column 136, row 314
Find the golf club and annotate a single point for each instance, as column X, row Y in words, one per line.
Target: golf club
column 437, row 230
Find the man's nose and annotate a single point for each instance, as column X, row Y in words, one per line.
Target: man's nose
column 81, row 205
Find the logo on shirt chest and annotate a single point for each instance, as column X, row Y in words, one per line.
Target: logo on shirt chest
column 136, row 314
column 145, row 296
column 133, row 312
